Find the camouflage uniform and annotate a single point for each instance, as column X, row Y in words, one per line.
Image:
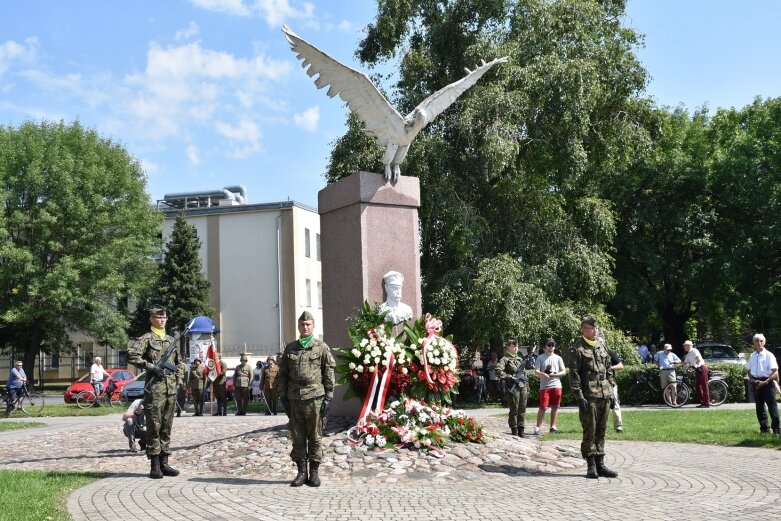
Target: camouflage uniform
column 270, row 386
column 591, row 378
column 160, row 395
column 196, row 384
column 516, row 391
column 306, row 376
column 241, row 379
column 220, row 391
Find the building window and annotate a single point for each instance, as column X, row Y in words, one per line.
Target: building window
column 55, row 361
column 320, row 295
column 317, row 245
column 308, row 293
column 307, row 252
column 85, row 350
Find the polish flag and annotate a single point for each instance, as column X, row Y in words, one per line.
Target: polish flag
column 212, row 363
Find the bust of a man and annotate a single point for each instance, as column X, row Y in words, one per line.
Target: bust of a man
column 396, row 310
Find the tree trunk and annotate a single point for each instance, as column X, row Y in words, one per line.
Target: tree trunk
column 675, row 327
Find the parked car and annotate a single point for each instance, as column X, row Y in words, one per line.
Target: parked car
column 120, row 377
column 134, row 389
column 715, row 352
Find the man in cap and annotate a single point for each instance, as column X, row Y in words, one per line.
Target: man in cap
column 516, row 386
column 196, row 384
column 591, row 379
column 395, row 310
column 242, row 376
column 694, row 359
column 160, row 392
column 667, row 360
column 306, row 388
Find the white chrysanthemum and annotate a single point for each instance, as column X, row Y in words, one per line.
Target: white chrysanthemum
column 373, row 343
column 385, row 363
column 404, row 370
column 364, row 342
column 351, row 365
column 377, row 360
column 356, row 353
column 380, row 441
column 369, row 439
column 371, row 369
column 359, row 368
column 355, row 376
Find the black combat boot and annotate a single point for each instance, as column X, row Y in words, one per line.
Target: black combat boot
column 520, row 432
column 155, row 473
column 514, row 431
column 591, row 473
column 602, row 470
column 165, row 467
column 301, row 476
column 314, row 479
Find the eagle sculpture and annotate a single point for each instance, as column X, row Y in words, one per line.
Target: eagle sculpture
column 362, row 97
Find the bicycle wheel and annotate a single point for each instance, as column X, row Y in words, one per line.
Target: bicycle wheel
column 678, row 391
column 85, row 399
column 117, row 400
column 718, row 392
column 32, row 403
column 638, row 395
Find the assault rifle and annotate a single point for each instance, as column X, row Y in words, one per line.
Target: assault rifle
column 164, row 364
column 518, row 377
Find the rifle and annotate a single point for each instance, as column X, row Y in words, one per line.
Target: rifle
column 163, row 364
column 520, row 376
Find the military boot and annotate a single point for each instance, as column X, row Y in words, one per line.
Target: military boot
column 602, row 470
column 314, row 479
column 520, row 432
column 166, row 468
column 155, row 472
column 301, row 476
column 514, row 431
column 591, row 473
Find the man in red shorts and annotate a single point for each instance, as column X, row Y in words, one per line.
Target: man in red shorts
column 550, row 368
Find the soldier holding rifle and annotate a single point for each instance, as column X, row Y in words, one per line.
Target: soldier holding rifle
column 510, row 369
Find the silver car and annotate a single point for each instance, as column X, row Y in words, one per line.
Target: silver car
column 715, row 352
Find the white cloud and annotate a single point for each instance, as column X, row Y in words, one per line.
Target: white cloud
column 308, row 119
column 234, row 7
column 189, row 32
column 12, row 51
column 245, row 137
column 149, row 166
column 193, row 155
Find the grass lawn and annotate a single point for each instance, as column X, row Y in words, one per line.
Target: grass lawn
column 37, row 495
column 12, row 425
column 735, row 428
column 69, row 410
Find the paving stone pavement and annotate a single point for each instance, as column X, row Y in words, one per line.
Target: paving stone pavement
column 656, row 480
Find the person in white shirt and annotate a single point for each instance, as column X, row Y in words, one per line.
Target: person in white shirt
column 762, row 373
column 134, row 425
column 694, row 359
column 96, row 376
column 550, row 368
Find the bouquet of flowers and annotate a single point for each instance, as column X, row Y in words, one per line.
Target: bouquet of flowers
column 435, row 361
column 412, row 423
column 372, row 348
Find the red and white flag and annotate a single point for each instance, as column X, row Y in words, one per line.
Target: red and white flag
column 212, row 368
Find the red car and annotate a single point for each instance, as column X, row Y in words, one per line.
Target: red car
column 120, row 377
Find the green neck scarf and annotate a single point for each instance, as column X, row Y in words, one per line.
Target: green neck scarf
column 306, row 340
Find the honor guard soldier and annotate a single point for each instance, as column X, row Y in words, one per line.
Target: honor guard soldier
column 196, row 383
column 241, row 379
column 516, row 386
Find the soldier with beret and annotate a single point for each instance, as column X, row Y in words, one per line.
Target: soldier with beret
column 516, row 386
column 591, row 378
column 306, row 388
column 242, row 376
column 160, row 392
column 196, row 383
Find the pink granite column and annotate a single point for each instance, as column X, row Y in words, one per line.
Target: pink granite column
column 367, row 227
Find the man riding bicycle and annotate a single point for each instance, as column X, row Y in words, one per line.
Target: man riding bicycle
column 96, row 377
column 16, row 381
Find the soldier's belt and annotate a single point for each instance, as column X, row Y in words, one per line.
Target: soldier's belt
column 304, row 382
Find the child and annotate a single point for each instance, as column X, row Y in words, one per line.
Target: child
column 255, row 385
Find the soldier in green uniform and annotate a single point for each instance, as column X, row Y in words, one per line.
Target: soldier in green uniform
column 196, row 384
column 221, row 391
column 241, row 379
column 160, row 393
column 516, row 386
column 306, row 388
column 592, row 379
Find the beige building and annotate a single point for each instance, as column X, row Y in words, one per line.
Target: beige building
column 263, row 261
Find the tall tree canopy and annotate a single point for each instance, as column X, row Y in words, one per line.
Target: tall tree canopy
column 76, row 235
column 510, row 204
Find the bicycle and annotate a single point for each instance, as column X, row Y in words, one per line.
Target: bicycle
column 27, row 402
column 87, row 399
column 645, row 389
column 717, row 387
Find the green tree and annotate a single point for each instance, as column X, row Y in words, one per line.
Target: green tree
column 182, row 286
column 76, row 236
column 508, row 172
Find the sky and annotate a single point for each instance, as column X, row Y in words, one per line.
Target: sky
column 207, row 94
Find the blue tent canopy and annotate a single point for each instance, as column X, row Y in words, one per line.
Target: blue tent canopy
column 203, row 325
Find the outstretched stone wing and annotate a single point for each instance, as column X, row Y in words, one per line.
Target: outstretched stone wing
column 355, row 88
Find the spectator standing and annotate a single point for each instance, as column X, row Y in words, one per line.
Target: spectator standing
column 550, row 368
column 667, row 360
column 134, row 425
column 510, row 371
column 258, row 372
column 762, row 372
column 651, row 354
column 694, row 359
column 591, row 379
column 270, row 374
column 643, row 351
column 492, row 377
column 241, row 380
column 255, row 388
column 16, row 380
column 616, row 365
column 96, row 375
